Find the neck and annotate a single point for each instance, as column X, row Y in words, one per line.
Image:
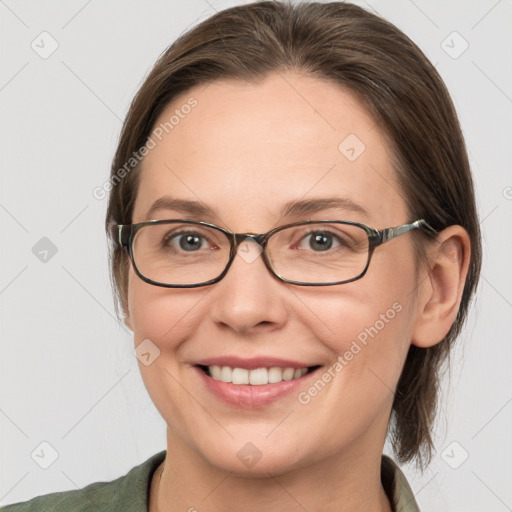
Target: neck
column 343, row 483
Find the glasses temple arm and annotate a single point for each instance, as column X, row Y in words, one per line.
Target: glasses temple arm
column 390, row 233
column 116, row 233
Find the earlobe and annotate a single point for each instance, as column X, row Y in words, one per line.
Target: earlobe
column 441, row 286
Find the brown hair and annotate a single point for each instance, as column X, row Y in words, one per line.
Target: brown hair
column 370, row 57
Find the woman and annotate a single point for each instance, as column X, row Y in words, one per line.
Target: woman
column 281, row 358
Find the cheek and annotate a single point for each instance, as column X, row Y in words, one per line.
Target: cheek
column 368, row 349
column 161, row 313
column 367, row 334
column 367, row 325
column 166, row 318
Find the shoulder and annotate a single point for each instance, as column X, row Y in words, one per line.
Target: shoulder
column 128, row 493
column 397, row 487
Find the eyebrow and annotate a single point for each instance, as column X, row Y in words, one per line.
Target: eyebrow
column 304, row 207
column 180, row 205
column 296, row 208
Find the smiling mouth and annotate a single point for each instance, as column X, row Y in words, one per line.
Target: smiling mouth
column 257, row 376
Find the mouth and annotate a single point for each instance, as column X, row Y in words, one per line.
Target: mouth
column 257, row 376
column 254, row 382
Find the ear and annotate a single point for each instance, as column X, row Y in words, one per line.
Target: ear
column 441, row 286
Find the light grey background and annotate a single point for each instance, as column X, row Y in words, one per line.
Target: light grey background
column 69, row 377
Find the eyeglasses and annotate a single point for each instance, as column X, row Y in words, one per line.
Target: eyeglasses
column 184, row 253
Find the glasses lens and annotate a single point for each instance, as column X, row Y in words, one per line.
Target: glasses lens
column 319, row 252
column 180, row 253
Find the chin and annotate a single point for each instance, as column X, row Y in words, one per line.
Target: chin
column 256, row 459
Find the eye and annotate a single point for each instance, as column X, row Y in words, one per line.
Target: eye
column 188, row 241
column 320, row 241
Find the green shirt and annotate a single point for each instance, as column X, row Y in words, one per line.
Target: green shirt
column 129, row 493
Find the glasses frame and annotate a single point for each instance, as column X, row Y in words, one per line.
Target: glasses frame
column 124, row 234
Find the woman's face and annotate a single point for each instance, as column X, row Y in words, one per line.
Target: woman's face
column 244, row 151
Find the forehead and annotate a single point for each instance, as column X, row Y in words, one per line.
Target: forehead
column 246, row 149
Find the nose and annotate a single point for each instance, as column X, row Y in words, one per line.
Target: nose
column 249, row 298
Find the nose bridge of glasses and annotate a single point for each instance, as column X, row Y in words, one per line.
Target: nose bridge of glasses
column 246, row 250
column 253, row 237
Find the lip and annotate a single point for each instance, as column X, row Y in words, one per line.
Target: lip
column 249, row 396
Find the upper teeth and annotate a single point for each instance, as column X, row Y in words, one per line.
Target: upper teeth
column 255, row 377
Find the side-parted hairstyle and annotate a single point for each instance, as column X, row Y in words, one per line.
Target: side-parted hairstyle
column 401, row 90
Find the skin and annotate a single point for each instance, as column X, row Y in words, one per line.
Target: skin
column 244, row 150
